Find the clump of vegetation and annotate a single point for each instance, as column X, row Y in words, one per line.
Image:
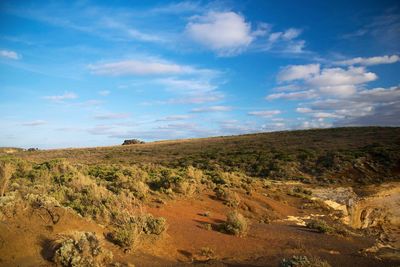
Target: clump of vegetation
column 304, row 261
column 129, row 229
column 300, row 192
column 126, row 236
column 207, row 252
column 229, row 197
column 81, row 249
column 153, row 225
column 132, row 142
column 6, row 171
column 236, row 224
column 320, row 226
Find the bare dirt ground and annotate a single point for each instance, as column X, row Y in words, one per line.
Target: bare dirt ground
column 186, row 237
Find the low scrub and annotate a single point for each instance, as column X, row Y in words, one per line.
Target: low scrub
column 236, row 224
column 128, row 229
column 320, row 226
column 81, row 249
column 304, row 261
column 229, row 197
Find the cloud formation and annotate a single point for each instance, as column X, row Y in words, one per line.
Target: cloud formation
column 212, row 109
column 369, row 61
column 226, row 33
column 264, row 113
column 59, row 98
column 9, row 54
column 112, row 116
column 139, row 67
column 34, row 123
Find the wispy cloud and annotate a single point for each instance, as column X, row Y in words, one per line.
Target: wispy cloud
column 112, row 116
column 149, row 66
column 9, row 54
column 104, row 92
column 175, row 118
column 212, row 109
column 60, row 98
column 264, row 113
column 369, row 61
column 34, row 123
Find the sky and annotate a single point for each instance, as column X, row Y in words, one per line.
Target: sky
column 93, row 73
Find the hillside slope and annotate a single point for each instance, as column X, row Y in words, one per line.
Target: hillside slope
column 338, row 155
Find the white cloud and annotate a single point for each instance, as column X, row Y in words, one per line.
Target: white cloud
column 212, row 109
column 264, row 113
column 297, row 72
column 378, row 106
column 370, row 60
column 175, row 118
column 338, row 90
column 197, row 99
column 104, row 92
column 285, row 42
column 34, row 123
column 339, row 76
column 303, row 110
column 59, row 98
column 188, row 85
column 140, row 67
column 112, row 116
column 293, row 95
column 324, row 115
column 9, row 54
column 226, row 33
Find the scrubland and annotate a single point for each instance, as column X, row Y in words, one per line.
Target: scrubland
column 298, row 198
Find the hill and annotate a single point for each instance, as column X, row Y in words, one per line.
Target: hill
column 338, row 155
column 316, row 197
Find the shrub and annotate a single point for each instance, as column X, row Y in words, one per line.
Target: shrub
column 128, row 229
column 132, row 142
column 304, row 261
column 126, row 236
column 81, row 249
column 154, row 225
column 230, row 198
column 139, row 189
column 236, row 224
column 6, row 172
column 320, row 226
column 207, row 252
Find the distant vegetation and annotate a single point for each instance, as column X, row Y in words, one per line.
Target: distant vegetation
column 341, row 155
column 132, row 142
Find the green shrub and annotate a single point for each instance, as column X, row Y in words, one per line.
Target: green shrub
column 236, row 224
column 320, row 226
column 304, row 261
column 128, row 229
column 153, row 225
column 126, row 236
column 81, row 249
column 229, row 198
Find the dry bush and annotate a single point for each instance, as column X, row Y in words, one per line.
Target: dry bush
column 320, row 226
column 304, row 261
column 187, row 188
column 6, row 171
column 80, row 249
column 229, row 197
column 130, row 226
column 194, row 173
column 236, row 224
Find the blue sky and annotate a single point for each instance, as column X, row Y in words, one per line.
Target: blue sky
column 93, row 73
